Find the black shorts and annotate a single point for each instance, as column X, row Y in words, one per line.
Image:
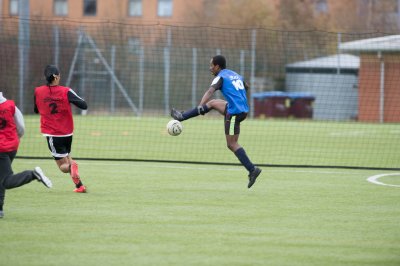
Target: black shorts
column 60, row 147
column 232, row 123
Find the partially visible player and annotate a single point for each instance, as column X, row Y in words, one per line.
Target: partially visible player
column 12, row 128
column 234, row 109
column 53, row 103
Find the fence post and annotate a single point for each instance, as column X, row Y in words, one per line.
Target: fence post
column 339, row 40
column 23, row 47
column 112, row 85
column 194, row 76
column 167, row 70
column 252, row 70
column 56, row 32
column 141, row 79
column 241, row 62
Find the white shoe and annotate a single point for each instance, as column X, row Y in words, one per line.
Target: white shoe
column 41, row 177
column 1, row 214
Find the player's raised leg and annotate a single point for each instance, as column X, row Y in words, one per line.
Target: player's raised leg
column 216, row 104
column 180, row 116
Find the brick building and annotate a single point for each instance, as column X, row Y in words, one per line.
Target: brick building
column 87, row 10
column 379, row 80
column 355, row 14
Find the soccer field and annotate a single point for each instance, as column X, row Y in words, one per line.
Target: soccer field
column 182, row 214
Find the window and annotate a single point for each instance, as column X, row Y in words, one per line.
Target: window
column 60, row 7
column 135, row 8
column 164, row 8
column 89, row 7
column 321, row 6
column 393, row 6
column 14, row 7
column 134, row 45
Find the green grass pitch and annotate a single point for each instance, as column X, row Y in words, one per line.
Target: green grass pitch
column 142, row 213
column 182, row 214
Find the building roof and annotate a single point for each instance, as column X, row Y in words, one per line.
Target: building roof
column 389, row 43
column 347, row 61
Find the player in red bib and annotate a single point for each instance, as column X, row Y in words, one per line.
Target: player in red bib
column 12, row 128
column 53, row 103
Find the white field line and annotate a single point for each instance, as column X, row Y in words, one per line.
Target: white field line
column 374, row 179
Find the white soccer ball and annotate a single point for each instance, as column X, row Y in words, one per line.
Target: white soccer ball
column 174, row 127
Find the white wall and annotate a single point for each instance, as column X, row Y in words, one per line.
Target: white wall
column 336, row 95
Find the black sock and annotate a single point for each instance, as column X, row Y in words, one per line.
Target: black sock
column 199, row 110
column 242, row 156
column 79, row 184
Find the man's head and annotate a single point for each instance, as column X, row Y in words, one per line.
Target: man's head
column 217, row 63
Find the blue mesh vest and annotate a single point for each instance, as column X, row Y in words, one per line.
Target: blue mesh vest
column 234, row 92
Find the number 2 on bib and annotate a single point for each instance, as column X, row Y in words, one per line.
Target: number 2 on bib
column 53, row 108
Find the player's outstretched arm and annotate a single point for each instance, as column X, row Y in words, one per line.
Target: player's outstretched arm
column 76, row 100
column 35, row 108
column 19, row 122
column 207, row 96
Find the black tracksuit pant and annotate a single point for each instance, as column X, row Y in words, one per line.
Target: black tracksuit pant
column 7, row 179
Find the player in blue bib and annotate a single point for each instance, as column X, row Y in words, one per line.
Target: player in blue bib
column 234, row 109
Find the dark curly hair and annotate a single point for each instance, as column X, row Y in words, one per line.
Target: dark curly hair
column 220, row 61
